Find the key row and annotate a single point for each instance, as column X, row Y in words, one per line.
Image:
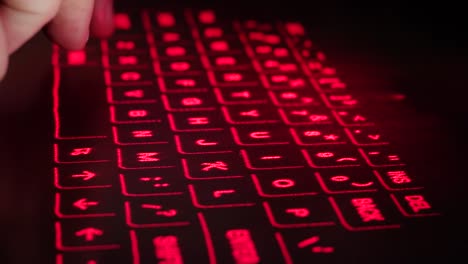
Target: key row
column 192, row 114
column 359, row 212
column 255, row 158
column 268, row 184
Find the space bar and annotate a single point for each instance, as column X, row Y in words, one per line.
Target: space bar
column 80, row 105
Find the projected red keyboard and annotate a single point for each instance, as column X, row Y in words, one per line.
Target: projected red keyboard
column 185, row 138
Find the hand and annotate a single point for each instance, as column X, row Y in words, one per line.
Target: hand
column 67, row 22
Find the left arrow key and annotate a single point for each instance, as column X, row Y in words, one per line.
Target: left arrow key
column 78, row 204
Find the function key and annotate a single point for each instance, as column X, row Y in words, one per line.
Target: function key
column 415, row 204
column 397, row 178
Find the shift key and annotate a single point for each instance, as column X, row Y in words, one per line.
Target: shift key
column 238, row 238
column 80, row 104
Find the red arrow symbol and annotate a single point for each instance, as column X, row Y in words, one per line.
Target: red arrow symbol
column 89, row 233
column 86, row 175
column 83, row 204
column 374, row 137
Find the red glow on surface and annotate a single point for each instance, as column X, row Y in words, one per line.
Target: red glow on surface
column 122, row 21
column 213, row 32
column 76, row 57
column 170, row 36
column 279, row 66
column 165, row 19
column 175, row 51
column 207, row 17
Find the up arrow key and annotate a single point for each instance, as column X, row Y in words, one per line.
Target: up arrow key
column 89, row 233
column 84, row 204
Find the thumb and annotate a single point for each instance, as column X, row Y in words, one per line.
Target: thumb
column 22, row 19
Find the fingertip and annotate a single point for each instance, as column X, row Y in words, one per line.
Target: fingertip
column 65, row 39
column 102, row 22
column 70, row 27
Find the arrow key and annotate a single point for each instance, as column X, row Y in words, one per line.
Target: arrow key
column 97, row 175
column 77, row 204
column 89, row 234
